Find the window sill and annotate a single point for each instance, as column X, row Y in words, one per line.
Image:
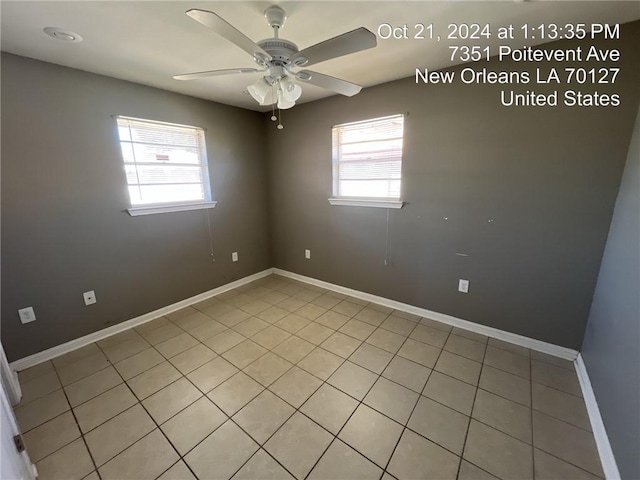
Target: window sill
column 153, row 209
column 366, row 202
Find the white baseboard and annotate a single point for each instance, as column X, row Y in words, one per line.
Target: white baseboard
column 538, row 345
column 67, row 347
column 607, row 458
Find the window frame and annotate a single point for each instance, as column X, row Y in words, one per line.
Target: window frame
column 176, row 206
column 375, row 202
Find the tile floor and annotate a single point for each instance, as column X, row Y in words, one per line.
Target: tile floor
column 279, row 379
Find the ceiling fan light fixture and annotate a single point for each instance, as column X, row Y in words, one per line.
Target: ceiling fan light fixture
column 290, row 90
column 259, row 90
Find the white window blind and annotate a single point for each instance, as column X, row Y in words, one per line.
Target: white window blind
column 165, row 164
column 367, row 158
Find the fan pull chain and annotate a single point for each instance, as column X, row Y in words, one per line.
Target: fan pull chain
column 280, row 126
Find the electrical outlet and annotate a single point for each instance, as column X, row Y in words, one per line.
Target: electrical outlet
column 307, row 254
column 463, row 286
column 27, row 315
column 89, row 297
column 234, row 257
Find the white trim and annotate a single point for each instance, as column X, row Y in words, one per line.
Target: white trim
column 10, row 379
column 607, row 458
column 67, row 347
column 137, row 211
column 362, row 202
column 538, row 345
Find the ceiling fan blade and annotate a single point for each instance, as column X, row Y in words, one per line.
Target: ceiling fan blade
column 345, row 44
column 330, row 83
column 215, row 73
column 228, row 31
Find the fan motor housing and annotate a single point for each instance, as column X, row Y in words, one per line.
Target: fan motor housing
column 279, row 49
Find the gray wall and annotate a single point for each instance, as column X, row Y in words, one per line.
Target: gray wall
column 547, row 177
column 611, row 347
column 64, row 229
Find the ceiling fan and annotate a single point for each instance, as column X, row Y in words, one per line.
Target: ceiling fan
column 280, row 59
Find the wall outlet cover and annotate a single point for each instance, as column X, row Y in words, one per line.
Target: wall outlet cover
column 89, row 297
column 463, row 286
column 307, row 254
column 234, row 257
column 27, row 315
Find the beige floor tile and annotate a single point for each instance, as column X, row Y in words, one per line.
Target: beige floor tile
column 504, row 415
column 92, row 386
column 494, row 342
column 430, row 335
column 42, row 410
column 567, row 442
column 240, row 299
column 114, row 436
column 315, row 333
column 307, row 294
column 250, row 326
column 145, row 460
column 224, row 341
column 69, row 463
column 418, row 458
column 193, row 424
column 235, row 393
column 341, row 344
column 244, row 353
column 311, row 311
column 39, row 387
column 407, row 373
column 440, row 424
column 556, row 377
column 506, row 385
column 51, row 436
column 152, row 325
column 371, row 316
column 498, row 453
column 268, row 368
column 34, row 372
column 560, row 405
column 126, row 349
column 255, row 306
column 82, row 368
column 399, row 325
column 348, row 308
column 292, row 323
column 188, row 318
column 321, row 363
column 192, row 358
column 343, row 462
column 429, row 322
column 171, row 399
column 207, row 330
column 216, row 310
column 222, row 453
column 381, row 308
column 273, row 314
column 179, row 471
column 451, row 392
column 372, row 358
column 353, row 379
column 103, row 407
column 332, row 319
column 92, row 476
column 372, row 434
column 175, row 345
column 262, row 467
column 263, row 415
column 508, row 361
column 273, row 298
column 270, row 337
column 291, row 304
column 357, row 329
column 298, row 444
column 118, row 338
column 409, row 316
column 386, row 340
column 294, row 349
column 394, row 400
column 211, row 374
column 548, row 467
column 419, row 352
column 478, row 337
column 295, row 386
column 154, row 379
column 162, row 334
column 326, row 301
column 465, row 347
column 76, row 355
column 329, row 407
column 550, row 359
column 468, row 471
column 233, row 317
column 459, row 367
column 138, row 363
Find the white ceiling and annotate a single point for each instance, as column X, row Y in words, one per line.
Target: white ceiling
column 147, row 42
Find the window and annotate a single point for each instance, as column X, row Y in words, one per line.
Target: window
column 367, row 162
column 165, row 165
